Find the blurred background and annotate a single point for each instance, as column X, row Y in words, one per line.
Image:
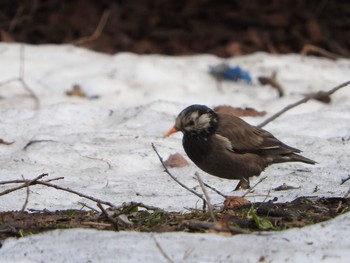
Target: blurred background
column 224, row 28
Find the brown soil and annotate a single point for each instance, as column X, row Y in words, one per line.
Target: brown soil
column 224, row 28
column 266, row 216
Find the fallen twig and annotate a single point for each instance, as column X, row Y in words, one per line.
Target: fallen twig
column 161, row 250
column 175, row 179
column 267, row 196
column 339, row 207
column 252, row 188
column 311, row 48
column 76, row 193
column 35, row 141
column 36, row 181
column 207, row 197
column 54, row 179
column 108, row 217
column 303, row 100
column 196, row 225
column 126, row 207
column 98, row 31
column 90, row 207
column 25, row 184
column 27, row 198
column 21, row 80
column 345, row 180
column 215, row 190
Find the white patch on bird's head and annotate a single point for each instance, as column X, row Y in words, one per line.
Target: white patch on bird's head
column 204, row 121
column 195, row 122
column 194, row 115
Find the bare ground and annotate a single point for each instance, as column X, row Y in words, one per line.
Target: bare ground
column 247, row 218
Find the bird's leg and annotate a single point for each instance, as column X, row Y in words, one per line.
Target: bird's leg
column 243, row 184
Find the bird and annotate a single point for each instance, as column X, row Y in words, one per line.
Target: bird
column 226, row 146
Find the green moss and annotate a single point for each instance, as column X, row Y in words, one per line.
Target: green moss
column 260, row 222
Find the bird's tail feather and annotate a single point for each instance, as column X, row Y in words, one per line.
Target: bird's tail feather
column 293, row 157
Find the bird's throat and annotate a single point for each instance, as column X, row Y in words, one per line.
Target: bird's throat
column 196, row 147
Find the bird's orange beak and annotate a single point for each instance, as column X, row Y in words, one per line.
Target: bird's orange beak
column 171, row 131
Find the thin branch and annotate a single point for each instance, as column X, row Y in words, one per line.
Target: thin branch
column 85, row 205
column 21, row 80
column 195, row 225
column 27, row 198
column 98, row 31
column 175, row 179
column 16, row 18
column 215, row 190
column 54, row 179
column 304, row 100
column 251, row 189
column 26, row 183
column 207, row 197
column 161, row 250
column 311, row 48
column 8, row 81
column 35, row 141
column 267, row 195
column 37, row 178
column 32, row 94
column 21, row 77
column 37, row 182
column 22, row 60
column 76, row 193
column 126, row 207
column 345, row 180
column 347, row 194
column 108, row 217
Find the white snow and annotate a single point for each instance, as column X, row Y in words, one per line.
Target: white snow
column 102, row 147
column 308, row 244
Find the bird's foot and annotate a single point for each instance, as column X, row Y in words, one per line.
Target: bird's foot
column 243, row 184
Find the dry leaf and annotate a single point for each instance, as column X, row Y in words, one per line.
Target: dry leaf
column 233, row 202
column 6, row 37
column 239, row 112
column 5, row 142
column 76, row 91
column 272, row 81
column 234, row 49
column 175, row 160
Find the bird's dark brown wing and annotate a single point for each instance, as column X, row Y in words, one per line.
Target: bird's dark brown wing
column 247, row 138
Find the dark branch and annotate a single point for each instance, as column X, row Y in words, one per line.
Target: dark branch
column 175, row 179
column 36, row 181
column 304, row 100
column 345, row 180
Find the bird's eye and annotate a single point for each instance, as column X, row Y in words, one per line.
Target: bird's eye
column 191, row 123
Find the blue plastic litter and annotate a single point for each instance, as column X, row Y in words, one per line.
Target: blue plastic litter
column 224, row 71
